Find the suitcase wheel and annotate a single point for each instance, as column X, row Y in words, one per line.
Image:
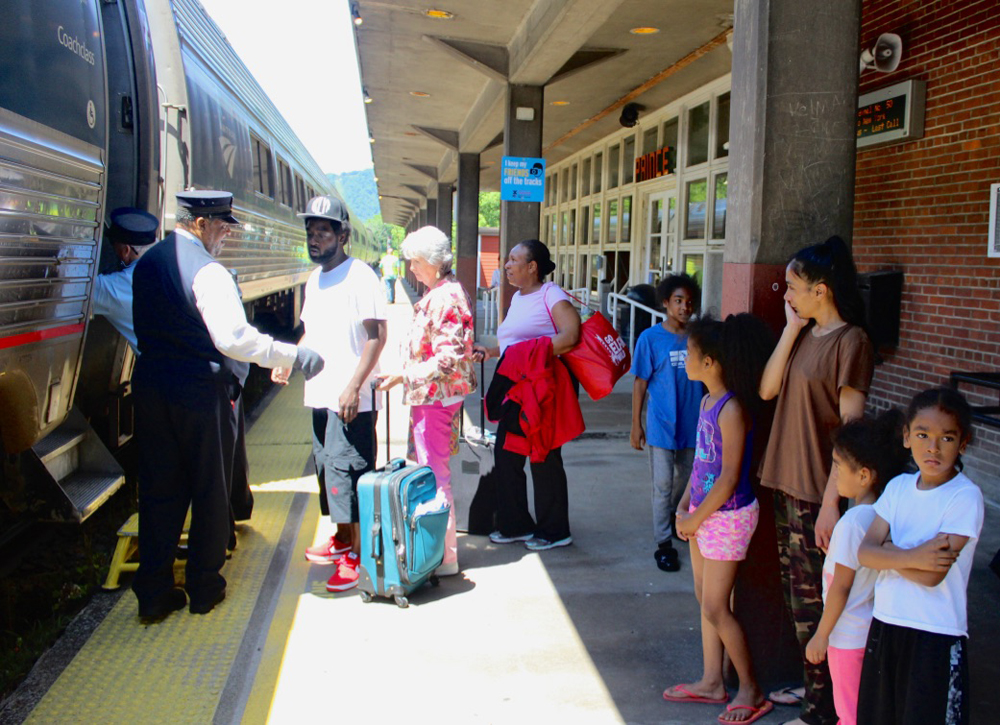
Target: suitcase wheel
column 365, row 596
column 402, row 602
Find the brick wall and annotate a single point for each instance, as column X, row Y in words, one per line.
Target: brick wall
column 923, row 206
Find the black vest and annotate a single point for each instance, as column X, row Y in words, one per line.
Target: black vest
column 176, row 350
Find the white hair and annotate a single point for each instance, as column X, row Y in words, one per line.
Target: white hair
column 429, row 244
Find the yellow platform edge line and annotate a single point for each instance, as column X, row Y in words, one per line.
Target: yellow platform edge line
column 265, row 683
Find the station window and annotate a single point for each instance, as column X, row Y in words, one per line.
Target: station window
column 572, row 182
column 598, row 170
column 571, row 239
column 613, row 221
column 719, row 200
column 585, row 225
column 585, row 179
column 695, row 195
column 565, row 185
column 554, row 226
column 722, row 127
column 670, row 140
column 262, row 171
column 564, row 237
column 649, row 141
column 697, row 134
column 614, row 164
column 626, row 220
column 628, row 160
column 595, row 237
column 545, row 231
column 287, row 193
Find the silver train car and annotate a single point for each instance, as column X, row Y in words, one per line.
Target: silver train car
column 107, row 104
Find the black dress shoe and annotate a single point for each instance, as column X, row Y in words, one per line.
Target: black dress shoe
column 208, row 605
column 158, row 610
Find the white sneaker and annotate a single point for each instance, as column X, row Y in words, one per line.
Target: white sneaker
column 448, row 569
column 497, row 538
column 537, row 544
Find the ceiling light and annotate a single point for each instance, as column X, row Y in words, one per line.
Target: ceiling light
column 559, row 103
column 371, row 139
column 368, row 99
column 644, row 31
column 420, row 94
column 376, row 179
column 439, row 14
column 356, row 14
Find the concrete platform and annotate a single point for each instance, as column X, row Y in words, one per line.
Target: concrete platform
column 591, row 633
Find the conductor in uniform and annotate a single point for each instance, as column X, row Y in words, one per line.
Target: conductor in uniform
column 194, row 343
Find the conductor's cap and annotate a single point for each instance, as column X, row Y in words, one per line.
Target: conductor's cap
column 209, row 204
column 132, row 226
column 326, row 207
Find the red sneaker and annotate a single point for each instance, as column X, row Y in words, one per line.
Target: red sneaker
column 346, row 576
column 328, row 552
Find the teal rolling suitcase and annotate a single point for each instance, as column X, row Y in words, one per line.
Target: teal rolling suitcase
column 402, row 530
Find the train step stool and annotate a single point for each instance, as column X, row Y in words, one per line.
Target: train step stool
column 128, row 547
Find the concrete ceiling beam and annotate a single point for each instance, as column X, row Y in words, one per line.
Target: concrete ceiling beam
column 441, row 135
column 492, row 60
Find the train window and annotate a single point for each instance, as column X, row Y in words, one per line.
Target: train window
column 614, row 166
column 300, row 193
column 285, row 190
column 262, row 171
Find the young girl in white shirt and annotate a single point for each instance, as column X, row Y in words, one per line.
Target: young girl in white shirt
column 867, row 453
column 922, row 541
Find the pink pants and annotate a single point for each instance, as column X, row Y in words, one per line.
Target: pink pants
column 431, row 425
column 845, row 671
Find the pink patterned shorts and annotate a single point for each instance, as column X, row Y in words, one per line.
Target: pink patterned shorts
column 725, row 535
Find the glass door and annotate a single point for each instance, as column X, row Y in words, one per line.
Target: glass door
column 661, row 236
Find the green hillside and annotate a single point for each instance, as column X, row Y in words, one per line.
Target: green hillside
column 359, row 191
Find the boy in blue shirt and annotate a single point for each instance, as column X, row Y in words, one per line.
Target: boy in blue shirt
column 672, row 414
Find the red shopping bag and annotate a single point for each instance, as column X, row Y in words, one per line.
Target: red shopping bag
column 600, row 358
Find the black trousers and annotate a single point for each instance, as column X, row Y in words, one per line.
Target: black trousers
column 551, row 494
column 911, row 677
column 184, row 461
column 241, row 497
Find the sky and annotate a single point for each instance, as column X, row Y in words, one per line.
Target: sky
column 302, row 54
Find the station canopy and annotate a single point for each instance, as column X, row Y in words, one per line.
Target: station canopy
column 436, row 75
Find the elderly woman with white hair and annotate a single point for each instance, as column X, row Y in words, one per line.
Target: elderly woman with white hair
column 438, row 369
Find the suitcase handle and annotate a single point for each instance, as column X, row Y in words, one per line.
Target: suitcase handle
column 377, row 537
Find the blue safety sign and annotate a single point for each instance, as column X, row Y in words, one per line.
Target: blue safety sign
column 522, row 179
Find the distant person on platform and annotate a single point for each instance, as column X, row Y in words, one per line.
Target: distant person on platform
column 131, row 232
column 344, row 314
column 194, row 342
column 389, row 265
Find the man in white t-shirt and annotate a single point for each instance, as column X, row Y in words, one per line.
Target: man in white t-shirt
column 344, row 313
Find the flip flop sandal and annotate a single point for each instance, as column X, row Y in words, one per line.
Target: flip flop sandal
column 691, row 697
column 756, row 713
column 786, row 696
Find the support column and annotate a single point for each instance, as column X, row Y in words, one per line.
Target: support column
column 791, row 170
column 432, row 212
column 791, row 184
column 520, row 219
column 467, row 244
column 445, row 208
column 422, row 217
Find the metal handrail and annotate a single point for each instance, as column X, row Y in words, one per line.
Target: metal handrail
column 584, row 298
column 615, row 299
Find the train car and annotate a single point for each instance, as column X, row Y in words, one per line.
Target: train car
column 107, row 104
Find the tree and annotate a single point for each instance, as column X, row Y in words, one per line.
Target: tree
column 489, row 208
column 384, row 233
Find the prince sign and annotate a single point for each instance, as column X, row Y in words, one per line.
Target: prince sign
column 522, row 179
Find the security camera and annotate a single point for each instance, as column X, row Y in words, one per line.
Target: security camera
column 885, row 56
column 630, row 114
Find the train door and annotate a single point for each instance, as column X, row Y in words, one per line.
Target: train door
column 132, row 161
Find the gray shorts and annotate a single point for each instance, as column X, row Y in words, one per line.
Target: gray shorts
column 342, row 453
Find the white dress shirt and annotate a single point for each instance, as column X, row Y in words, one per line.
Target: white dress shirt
column 218, row 301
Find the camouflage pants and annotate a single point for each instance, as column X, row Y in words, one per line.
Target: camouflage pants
column 802, row 584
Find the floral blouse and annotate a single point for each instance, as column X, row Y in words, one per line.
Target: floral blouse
column 438, row 353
